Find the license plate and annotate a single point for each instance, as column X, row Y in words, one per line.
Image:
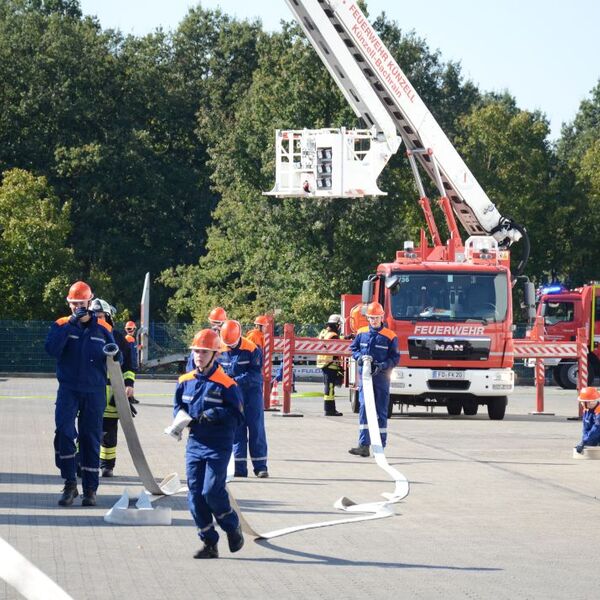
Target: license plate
column 448, row 375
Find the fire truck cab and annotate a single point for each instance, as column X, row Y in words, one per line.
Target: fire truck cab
column 564, row 312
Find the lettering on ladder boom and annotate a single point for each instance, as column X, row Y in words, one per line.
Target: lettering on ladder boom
column 387, row 67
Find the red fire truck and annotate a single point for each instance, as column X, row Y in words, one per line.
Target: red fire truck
column 564, row 312
column 450, row 303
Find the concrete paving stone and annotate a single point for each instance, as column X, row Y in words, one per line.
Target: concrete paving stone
column 497, row 509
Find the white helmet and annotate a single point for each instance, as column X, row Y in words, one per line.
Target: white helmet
column 98, row 305
column 335, row 319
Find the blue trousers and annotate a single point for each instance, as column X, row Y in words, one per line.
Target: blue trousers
column 207, row 496
column 87, row 409
column 251, row 434
column 381, row 391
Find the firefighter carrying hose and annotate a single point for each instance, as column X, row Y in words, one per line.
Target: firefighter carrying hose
column 590, row 398
column 381, row 344
column 77, row 343
column 214, row 402
column 330, row 366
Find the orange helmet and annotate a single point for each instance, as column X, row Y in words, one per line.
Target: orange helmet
column 231, row 332
column 261, row 320
column 130, row 325
column 207, row 339
column 79, row 292
column 589, row 394
column 375, row 310
column 217, row 315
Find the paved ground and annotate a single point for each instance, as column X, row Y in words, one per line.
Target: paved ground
column 498, row 509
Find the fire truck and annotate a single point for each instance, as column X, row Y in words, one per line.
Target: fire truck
column 564, row 312
column 450, row 303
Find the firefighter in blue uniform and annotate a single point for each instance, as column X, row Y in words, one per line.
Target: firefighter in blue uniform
column 77, row 343
column 381, row 344
column 213, row 400
column 242, row 360
column 590, row 398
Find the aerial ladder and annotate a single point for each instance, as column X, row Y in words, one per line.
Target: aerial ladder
column 347, row 162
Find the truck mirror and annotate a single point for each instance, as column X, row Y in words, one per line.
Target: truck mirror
column 367, row 290
column 530, row 300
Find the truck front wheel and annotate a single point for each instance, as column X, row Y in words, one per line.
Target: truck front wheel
column 496, row 406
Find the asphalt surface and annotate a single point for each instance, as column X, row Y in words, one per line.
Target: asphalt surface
column 497, row 509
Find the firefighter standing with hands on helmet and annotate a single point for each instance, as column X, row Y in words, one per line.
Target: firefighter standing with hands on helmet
column 213, row 401
column 590, row 398
column 77, row 343
column 330, row 366
column 381, row 344
column 243, row 361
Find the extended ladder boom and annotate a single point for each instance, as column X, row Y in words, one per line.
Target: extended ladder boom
column 381, row 94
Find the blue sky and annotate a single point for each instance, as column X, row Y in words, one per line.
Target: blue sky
column 546, row 53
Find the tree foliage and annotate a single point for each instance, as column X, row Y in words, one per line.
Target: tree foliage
column 35, row 263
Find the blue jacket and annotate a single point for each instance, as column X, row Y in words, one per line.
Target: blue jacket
column 78, row 349
column 217, row 396
column 244, row 364
column 591, row 427
column 381, row 344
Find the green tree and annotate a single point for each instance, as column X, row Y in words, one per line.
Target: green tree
column 508, row 151
column 35, row 262
column 579, row 159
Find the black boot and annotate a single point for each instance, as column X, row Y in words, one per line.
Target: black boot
column 69, row 493
column 107, row 472
column 89, row 498
column 235, row 539
column 360, row 451
column 330, row 409
column 208, row 551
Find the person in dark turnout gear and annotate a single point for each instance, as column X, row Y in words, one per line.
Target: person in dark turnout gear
column 331, row 367
column 108, row 447
column 590, row 398
column 77, row 343
column 242, row 360
column 381, row 344
column 214, row 402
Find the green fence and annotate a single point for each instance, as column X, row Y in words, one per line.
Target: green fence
column 22, row 343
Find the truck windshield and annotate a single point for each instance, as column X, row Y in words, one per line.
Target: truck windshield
column 459, row 296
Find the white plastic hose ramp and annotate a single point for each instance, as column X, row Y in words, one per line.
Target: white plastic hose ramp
column 143, row 513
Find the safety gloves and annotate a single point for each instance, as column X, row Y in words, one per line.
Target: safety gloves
column 579, row 448
column 79, row 312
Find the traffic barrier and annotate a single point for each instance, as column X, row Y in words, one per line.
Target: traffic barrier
column 536, row 347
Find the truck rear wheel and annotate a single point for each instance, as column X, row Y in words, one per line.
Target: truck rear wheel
column 354, row 403
column 454, row 406
column 470, row 406
column 496, row 406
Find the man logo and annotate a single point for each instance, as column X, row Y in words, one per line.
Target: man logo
column 449, row 347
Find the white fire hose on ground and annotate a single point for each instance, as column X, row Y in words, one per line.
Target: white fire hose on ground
column 371, row 510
